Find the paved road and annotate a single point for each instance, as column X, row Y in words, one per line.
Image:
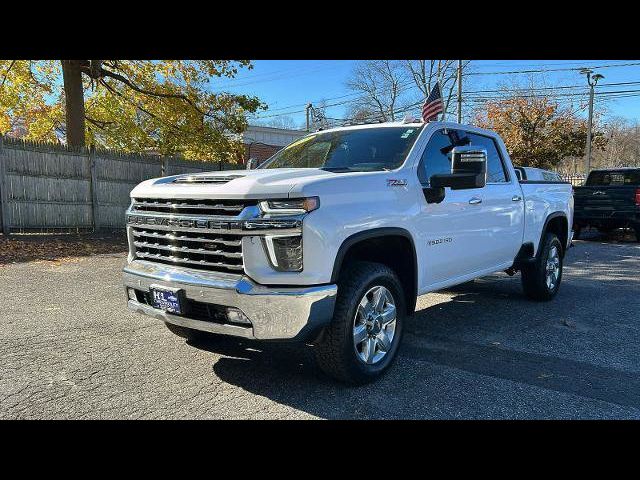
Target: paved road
column 70, row 349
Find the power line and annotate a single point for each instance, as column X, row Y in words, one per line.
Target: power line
column 608, row 95
column 276, row 75
column 546, row 70
column 529, row 65
column 473, row 93
column 411, row 82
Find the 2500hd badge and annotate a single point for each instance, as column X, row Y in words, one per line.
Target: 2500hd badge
column 438, row 241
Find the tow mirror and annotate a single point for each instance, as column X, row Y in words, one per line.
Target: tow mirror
column 468, row 170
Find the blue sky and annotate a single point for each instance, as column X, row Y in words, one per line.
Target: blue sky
column 287, row 85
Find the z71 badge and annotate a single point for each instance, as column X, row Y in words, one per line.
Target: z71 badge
column 396, row 182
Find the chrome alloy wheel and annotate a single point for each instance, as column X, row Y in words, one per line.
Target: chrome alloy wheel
column 552, row 271
column 374, row 325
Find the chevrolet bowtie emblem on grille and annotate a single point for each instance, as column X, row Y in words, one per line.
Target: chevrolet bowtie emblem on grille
column 396, row 182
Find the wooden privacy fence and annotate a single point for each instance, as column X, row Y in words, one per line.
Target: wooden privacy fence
column 52, row 188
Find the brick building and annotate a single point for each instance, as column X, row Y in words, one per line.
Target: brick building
column 262, row 142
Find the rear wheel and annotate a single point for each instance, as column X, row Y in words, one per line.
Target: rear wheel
column 541, row 280
column 363, row 338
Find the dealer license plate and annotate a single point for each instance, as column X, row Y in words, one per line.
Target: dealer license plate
column 166, row 299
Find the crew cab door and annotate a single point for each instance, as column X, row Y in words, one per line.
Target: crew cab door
column 471, row 231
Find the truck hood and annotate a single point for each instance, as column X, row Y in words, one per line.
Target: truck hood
column 246, row 184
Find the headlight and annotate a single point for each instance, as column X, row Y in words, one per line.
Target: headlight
column 291, row 206
column 285, row 253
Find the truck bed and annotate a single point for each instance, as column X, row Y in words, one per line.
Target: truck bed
column 542, row 199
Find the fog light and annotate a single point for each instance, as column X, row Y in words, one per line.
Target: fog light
column 132, row 294
column 236, row 316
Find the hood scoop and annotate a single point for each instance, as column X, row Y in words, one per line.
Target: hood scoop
column 217, row 179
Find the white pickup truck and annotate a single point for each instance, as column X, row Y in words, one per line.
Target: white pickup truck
column 332, row 239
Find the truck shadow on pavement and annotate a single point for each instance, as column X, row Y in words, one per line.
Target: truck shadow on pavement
column 460, row 334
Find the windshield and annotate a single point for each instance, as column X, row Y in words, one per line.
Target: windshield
column 367, row 149
column 614, row 177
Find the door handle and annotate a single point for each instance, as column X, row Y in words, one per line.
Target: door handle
column 516, row 198
column 475, row 201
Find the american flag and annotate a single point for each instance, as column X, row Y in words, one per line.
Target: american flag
column 433, row 104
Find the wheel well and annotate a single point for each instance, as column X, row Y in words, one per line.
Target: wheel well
column 559, row 225
column 396, row 251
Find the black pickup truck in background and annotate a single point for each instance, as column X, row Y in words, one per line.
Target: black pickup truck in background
column 609, row 199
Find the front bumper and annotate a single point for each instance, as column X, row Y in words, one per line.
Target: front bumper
column 275, row 313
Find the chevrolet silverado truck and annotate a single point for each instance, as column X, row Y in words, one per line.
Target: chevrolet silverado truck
column 609, row 199
column 332, row 239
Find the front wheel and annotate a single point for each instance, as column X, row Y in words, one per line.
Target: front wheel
column 363, row 338
column 541, row 279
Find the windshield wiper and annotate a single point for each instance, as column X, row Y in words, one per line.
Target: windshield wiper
column 337, row 169
column 356, row 169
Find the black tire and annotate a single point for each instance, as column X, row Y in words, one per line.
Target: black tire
column 184, row 332
column 534, row 276
column 336, row 350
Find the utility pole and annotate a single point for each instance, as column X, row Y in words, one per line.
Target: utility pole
column 592, row 81
column 308, row 109
column 459, row 91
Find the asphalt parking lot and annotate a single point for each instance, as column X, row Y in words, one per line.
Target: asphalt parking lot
column 69, row 348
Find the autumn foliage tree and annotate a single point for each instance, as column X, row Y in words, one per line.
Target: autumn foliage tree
column 165, row 106
column 537, row 131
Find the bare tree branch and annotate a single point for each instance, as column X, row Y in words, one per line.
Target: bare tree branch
column 380, row 84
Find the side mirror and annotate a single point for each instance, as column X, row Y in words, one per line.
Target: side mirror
column 468, row 170
column 252, row 163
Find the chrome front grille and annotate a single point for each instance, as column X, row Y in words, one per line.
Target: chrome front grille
column 202, row 250
column 177, row 242
column 225, row 208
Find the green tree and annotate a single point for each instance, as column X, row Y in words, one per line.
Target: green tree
column 167, row 106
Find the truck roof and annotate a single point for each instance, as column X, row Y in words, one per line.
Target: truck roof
column 416, row 124
column 614, row 168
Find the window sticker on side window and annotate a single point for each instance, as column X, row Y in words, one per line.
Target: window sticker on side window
column 407, row 133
